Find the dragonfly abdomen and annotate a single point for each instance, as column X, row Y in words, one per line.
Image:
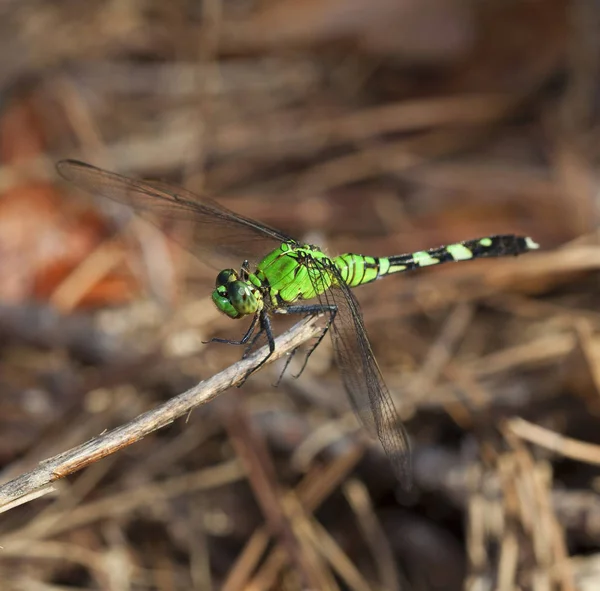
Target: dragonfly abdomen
column 357, row 269
column 490, row 246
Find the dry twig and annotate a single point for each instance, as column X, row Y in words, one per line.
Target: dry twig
column 38, row 482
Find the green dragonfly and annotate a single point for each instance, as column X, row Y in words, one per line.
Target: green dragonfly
column 277, row 274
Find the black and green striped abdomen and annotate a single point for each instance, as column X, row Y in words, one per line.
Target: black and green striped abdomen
column 357, row 269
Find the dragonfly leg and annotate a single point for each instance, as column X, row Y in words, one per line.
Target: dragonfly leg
column 306, row 310
column 243, row 340
column 251, row 344
column 265, row 327
column 245, row 270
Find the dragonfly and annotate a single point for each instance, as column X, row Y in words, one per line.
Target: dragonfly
column 277, row 274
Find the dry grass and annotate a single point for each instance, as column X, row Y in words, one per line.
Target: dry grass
column 375, row 127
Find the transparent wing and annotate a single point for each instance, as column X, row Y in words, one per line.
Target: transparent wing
column 362, row 377
column 216, row 231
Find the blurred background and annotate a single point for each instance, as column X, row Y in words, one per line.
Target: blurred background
column 370, row 126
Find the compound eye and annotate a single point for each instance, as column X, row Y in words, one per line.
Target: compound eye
column 226, row 276
column 242, row 297
column 221, row 300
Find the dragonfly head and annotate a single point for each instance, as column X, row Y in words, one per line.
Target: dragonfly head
column 234, row 297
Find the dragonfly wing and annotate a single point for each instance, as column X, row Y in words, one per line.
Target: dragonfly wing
column 362, row 377
column 215, row 230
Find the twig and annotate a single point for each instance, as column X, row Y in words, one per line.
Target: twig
column 318, row 484
column 566, row 446
column 360, row 502
column 262, row 478
column 20, row 489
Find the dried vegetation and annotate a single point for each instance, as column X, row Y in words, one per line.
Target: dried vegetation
column 375, row 126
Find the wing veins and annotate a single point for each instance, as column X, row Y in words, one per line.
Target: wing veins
column 361, row 375
column 215, row 228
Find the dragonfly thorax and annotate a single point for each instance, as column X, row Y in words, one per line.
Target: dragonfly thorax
column 234, row 297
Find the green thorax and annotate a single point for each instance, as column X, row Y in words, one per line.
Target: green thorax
column 294, row 271
column 300, row 272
